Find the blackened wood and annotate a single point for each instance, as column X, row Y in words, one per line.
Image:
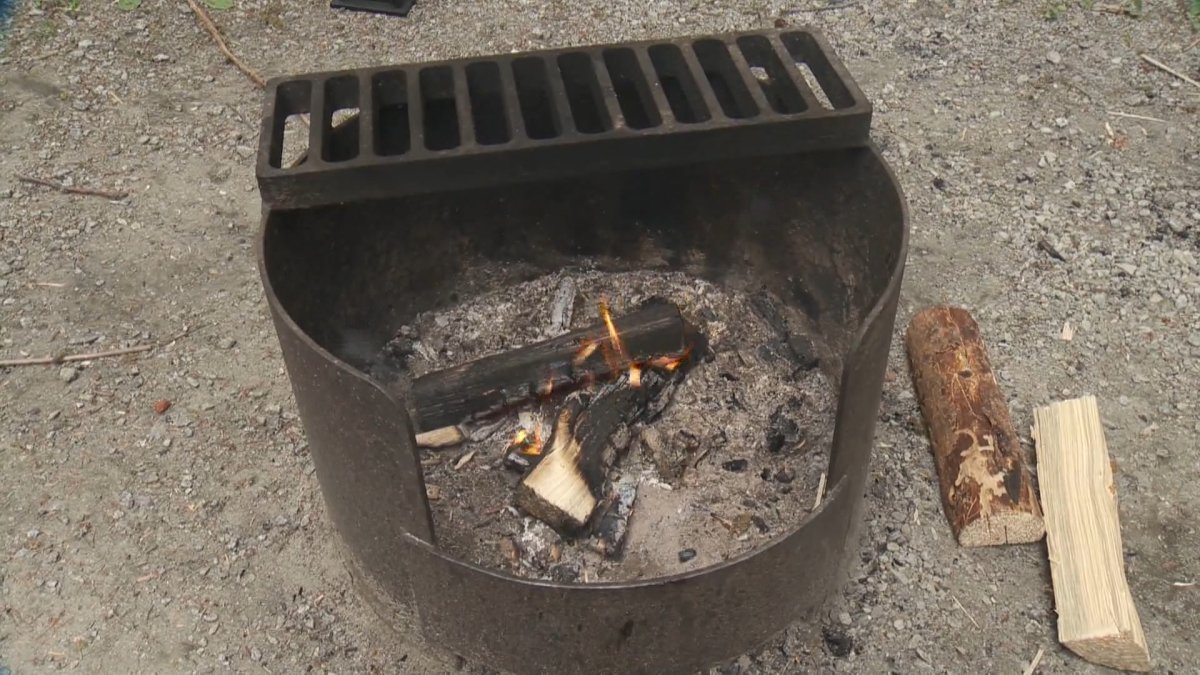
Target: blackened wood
column 608, row 539
column 567, row 485
column 986, row 486
column 494, row 383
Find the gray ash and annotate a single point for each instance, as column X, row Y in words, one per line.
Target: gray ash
column 734, row 459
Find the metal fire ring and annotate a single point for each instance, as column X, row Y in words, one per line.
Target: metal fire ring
column 831, row 237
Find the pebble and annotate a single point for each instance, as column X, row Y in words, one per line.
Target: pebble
column 844, row 617
column 161, row 57
column 228, row 343
column 687, row 554
column 68, row 374
column 244, row 151
column 1194, row 339
column 1054, row 57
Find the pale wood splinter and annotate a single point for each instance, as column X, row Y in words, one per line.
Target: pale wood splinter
column 1097, row 618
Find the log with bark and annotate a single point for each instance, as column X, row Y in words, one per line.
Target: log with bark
column 496, row 383
column 986, row 485
column 568, row 483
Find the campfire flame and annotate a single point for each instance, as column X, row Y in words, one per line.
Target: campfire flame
column 527, row 443
column 615, row 355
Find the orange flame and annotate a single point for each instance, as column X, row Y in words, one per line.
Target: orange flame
column 589, row 347
column 527, row 443
column 612, row 328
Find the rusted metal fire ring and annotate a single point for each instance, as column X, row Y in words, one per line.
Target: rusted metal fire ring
column 362, row 444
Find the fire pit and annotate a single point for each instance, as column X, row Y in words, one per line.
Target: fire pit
column 696, row 184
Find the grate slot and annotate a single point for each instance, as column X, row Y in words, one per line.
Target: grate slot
column 488, row 112
column 583, row 93
column 292, row 99
column 393, row 134
column 366, row 116
column 533, row 91
column 339, row 108
column 632, row 90
column 727, row 84
column 678, row 84
column 439, row 111
column 810, row 59
column 772, row 76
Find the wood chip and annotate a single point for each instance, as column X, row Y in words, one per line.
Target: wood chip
column 462, row 461
column 1068, row 333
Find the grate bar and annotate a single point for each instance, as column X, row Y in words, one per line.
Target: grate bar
column 512, row 103
column 462, row 105
column 789, row 64
column 608, row 92
column 652, row 81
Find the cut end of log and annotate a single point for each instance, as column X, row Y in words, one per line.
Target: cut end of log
column 1003, row 528
column 557, row 491
column 1122, row 651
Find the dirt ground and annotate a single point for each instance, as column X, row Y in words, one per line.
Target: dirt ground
column 196, row 540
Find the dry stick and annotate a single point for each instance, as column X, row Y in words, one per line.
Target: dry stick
column 1168, row 69
column 1037, row 658
column 1132, row 116
column 51, row 360
column 115, row 196
column 221, row 44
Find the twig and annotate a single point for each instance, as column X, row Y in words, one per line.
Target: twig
column 826, row 8
column 114, row 196
column 1037, row 658
column 1132, row 116
column 820, row 492
column 964, row 611
column 224, row 47
column 51, row 360
column 1168, row 69
column 68, row 358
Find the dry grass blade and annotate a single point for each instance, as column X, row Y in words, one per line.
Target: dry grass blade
column 90, row 192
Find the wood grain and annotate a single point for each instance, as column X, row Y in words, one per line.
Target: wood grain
column 1097, row 618
column 986, row 485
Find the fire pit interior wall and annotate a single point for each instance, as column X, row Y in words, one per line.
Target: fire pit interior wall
column 801, row 227
column 824, row 232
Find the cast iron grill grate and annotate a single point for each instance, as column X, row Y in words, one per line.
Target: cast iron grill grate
column 540, row 115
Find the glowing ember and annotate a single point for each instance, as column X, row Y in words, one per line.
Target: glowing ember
column 527, row 443
column 670, row 363
column 635, row 375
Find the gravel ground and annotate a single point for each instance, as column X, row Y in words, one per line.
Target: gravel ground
column 195, row 540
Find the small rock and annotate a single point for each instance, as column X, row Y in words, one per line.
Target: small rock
column 1054, row 57
column 68, row 374
column 1194, row 339
column 844, row 617
column 161, row 57
column 228, row 343
column 687, row 554
column 736, row 465
column 245, row 152
column 161, row 406
column 785, row 475
column 837, row 641
column 1127, row 268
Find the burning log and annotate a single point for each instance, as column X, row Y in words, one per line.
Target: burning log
column 609, row 537
column 567, row 485
column 494, row 383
